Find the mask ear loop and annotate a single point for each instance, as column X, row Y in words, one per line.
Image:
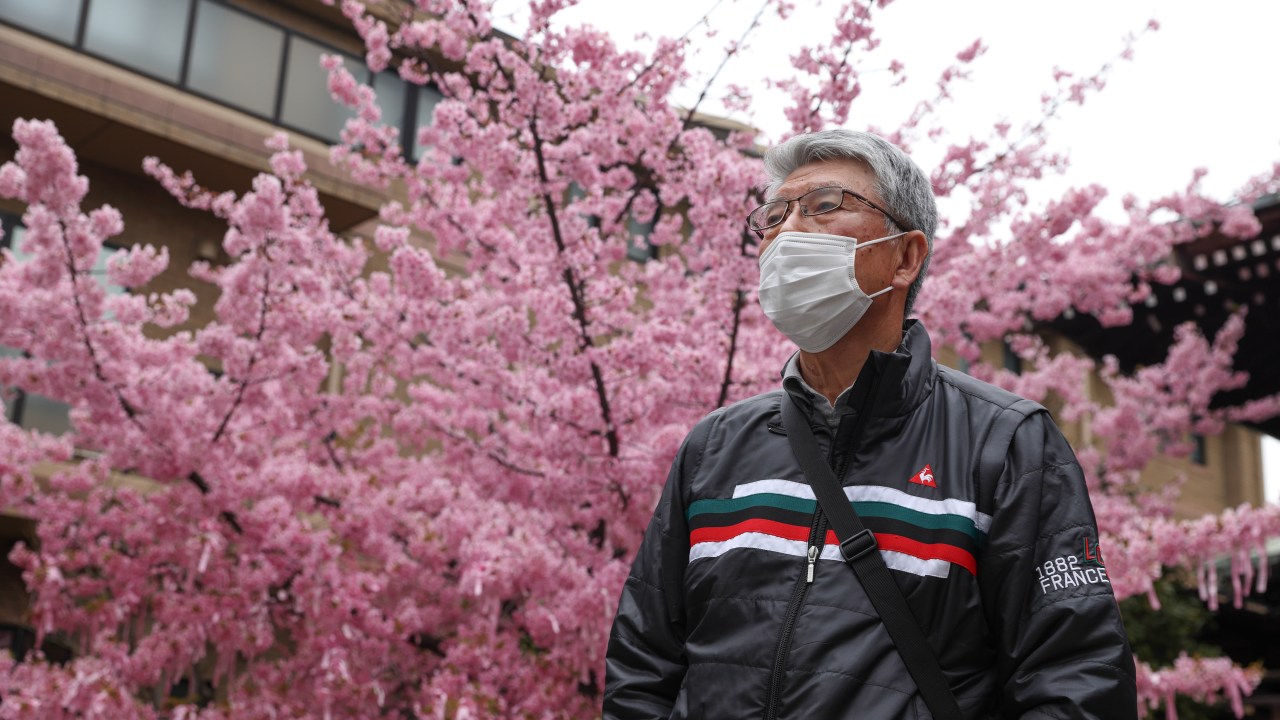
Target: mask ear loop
column 858, row 246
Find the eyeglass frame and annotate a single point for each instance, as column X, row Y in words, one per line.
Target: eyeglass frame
column 844, row 191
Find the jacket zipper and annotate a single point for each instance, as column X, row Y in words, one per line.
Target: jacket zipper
column 817, row 539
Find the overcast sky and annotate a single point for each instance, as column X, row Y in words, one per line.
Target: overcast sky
column 1199, row 92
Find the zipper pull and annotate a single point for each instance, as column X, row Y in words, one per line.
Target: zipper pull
column 813, row 558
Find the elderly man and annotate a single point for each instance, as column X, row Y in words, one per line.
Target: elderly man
column 742, row 602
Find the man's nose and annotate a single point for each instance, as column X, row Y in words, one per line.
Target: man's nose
column 795, row 221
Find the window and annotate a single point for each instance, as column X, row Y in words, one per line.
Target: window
column 1010, row 359
column 145, row 35
column 306, row 104
column 58, row 19
column 228, row 55
column 638, row 246
column 235, row 58
column 392, row 95
column 428, row 98
column 1199, row 449
column 18, row 639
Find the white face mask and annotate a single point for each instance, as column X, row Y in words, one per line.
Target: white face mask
column 808, row 289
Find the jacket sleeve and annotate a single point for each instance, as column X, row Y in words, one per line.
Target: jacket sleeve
column 645, row 662
column 1062, row 649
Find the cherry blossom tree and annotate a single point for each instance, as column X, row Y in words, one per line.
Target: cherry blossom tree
column 413, row 487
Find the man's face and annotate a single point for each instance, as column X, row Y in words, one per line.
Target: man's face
column 874, row 265
column 853, row 219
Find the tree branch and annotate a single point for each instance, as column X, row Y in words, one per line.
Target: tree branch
column 253, row 359
column 576, row 292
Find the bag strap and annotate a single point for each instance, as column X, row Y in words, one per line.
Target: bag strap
column 859, row 549
column 995, row 448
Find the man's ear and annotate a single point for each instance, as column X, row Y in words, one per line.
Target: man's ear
column 913, row 248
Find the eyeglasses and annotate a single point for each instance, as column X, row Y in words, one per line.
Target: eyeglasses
column 818, row 201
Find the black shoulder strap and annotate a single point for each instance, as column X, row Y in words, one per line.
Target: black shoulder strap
column 676, row 555
column 995, row 449
column 859, row 549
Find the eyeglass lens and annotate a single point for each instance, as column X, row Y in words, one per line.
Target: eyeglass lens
column 815, row 202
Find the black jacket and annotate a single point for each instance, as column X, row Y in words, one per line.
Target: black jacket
column 719, row 619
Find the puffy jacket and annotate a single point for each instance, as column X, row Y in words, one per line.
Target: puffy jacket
column 725, row 615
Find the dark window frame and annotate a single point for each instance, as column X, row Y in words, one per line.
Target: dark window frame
column 407, row 124
column 1010, row 359
column 1199, row 449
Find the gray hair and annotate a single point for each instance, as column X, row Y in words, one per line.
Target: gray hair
column 900, row 183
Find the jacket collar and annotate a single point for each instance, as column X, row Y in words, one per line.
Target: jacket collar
column 891, row 384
